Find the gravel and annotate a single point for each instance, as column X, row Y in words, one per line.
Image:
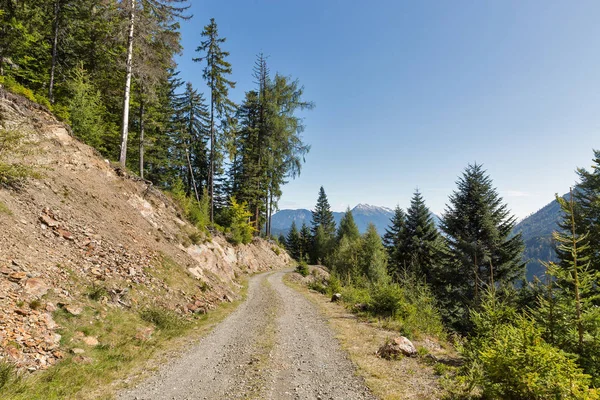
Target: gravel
column 276, row 345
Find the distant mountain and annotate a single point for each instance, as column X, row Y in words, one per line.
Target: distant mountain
column 537, row 234
column 363, row 215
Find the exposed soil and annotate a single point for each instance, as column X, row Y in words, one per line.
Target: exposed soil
column 275, row 346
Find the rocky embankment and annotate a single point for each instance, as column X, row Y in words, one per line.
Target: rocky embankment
column 86, row 230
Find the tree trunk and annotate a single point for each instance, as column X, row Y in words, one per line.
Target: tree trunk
column 125, row 127
column 54, row 50
column 142, row 112
column 187, row 154
column 211, row 178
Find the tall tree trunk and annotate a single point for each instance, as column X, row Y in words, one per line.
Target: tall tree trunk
column 212, row 154
column 187, row 154
column 125, row 127
column 142, row 115
column 54, row 50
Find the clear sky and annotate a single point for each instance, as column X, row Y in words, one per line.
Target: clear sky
column 408, row 93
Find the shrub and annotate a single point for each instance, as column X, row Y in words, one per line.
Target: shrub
column 318, row 287
column 302, row 268
column 241, row 228
column 388, row 300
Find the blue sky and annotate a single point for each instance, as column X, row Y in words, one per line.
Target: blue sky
column 408, row 93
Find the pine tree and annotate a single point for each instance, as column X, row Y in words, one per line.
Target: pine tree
column 221, row 107
column 348, row 227
column 481, row 249
column 423, row 246
column 393, row 241
column 293, row 242
column 305, row 242
column 323, row 228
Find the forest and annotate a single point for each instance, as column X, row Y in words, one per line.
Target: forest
column 466, row 281
column 108, row 70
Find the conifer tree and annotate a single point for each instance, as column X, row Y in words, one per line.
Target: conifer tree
column 348, row 227
column 481, row 249
column 305, row 242
column 293, row 242
column 323, row 228
column 423, row 246
column 215, row 73
column 373, row 258
column 393, row 241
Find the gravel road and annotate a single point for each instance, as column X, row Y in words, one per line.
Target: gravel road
column 276, row 345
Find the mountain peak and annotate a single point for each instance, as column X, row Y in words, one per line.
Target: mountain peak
column 369, row 208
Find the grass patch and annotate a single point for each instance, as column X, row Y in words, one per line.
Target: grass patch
column 14, row 145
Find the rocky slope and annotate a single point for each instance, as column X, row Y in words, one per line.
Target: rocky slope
column 83, row 230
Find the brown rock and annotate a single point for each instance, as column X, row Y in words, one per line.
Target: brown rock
column 72, row 309
column 77, row 351
column 17, row 276
column 49, row 221
column 36, row 287
column 90, row 341
column 21, row 311
column 5, row 270
column 65, row 234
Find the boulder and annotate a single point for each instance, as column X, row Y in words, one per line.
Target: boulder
column 336, row 297
column 397, row 347
column 36, row 287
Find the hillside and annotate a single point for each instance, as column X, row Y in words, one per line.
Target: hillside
column 537, row 231
column 84, row 243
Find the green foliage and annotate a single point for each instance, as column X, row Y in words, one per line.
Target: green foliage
column 14, row 87
column 507, row 358
column 293, row 242
column 348, row 228
column 323, row 229
column 86, row 110
column 7, row 374
column 196, row 213
column 393, row 241
column 162, row 318
column 302, row 268
column 241, row 228
column 481, row 249
column 372, row 260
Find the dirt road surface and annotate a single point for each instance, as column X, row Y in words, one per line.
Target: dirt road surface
column 276, row 345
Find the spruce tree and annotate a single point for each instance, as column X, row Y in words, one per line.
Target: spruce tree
column 393, row 241
column 323, row 229
column 348, row 227
column 305, row 242
column 423, row 246
column 482, row 252
column 221, row 107
column 293, row 242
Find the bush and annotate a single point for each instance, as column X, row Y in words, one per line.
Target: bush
column 517, row 363
column 7, row 374
column 302, row 269
column 388, row 300
column 14, row 87
column 241, row 229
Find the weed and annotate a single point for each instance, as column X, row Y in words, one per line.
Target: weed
column 35, row 304
column 97, row 292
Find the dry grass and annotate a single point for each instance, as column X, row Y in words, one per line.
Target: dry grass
column 407, row 378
